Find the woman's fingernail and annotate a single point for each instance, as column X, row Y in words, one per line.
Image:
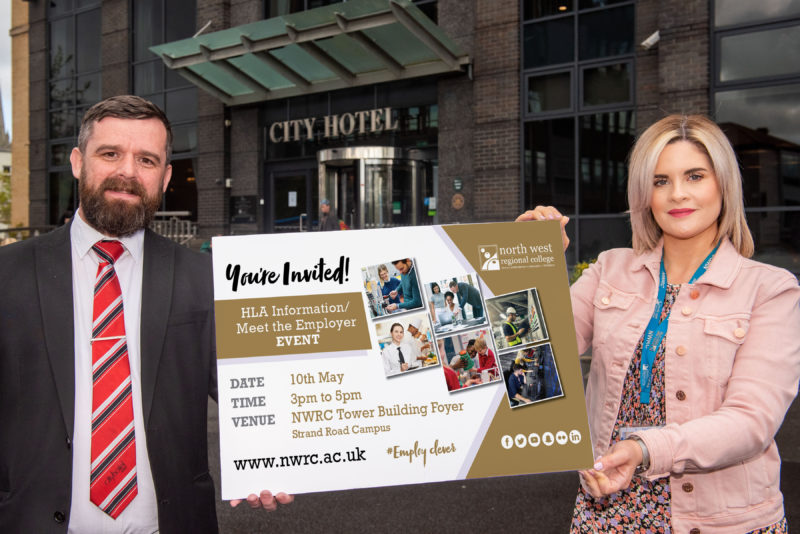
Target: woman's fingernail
column 598, row 466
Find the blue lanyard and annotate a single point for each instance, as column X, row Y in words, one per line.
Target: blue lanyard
column 657, row 328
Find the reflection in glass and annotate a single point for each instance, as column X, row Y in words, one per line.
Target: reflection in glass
column 62, row 42
column 587, row 4
column 534, row 9
column 727, row 12
column 605, row 140
column 62, row 124
column 548, row 43
column 550, row 164
column 181, row 194
column 758, row 54
column 184, row 138
column 148, row 77
column 604, row 33
column 62, row 93
column 148, row 27
column 87, row 89
column 59, row 154
column 88, row 40
column 549, row 92
column 777, row 238
column 609, row 84
column 59, row 7
column 771, row 108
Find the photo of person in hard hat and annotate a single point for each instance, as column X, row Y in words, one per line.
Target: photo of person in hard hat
column 516, row 320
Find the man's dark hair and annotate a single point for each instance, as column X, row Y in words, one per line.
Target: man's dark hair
column 516, row 367
column 123, row 107
column 453, row 283
column 450, row 293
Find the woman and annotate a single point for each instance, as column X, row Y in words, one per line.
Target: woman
column 451, row 305
column 693, row 413
column 388, row 284
column 437, row 300
column 397, row 355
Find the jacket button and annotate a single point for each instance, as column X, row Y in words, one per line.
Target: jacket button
column 739, row 332
column 605, row 300
column 686, row 310
column 59, row 517
column 694, row 294
column 680, row 350
column 681, row 396
column 694, row 531
column 687, row 487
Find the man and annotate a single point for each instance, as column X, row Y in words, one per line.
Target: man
column 468, row 294
column 107, row 352
column 397, row 355
column 511, row 331
column 327, row 221
column 516, row 385
column 408, row 287
column 417, row 339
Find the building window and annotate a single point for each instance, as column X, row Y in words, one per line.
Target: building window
column 756, row 97
column 73, row 82
column 277, row 8
column 578, row 114
column 156, row 22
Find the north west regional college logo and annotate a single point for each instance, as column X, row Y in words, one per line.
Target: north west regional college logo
column 489, row 260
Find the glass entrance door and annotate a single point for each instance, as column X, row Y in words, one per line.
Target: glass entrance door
column 375, row 187
column 293, row 201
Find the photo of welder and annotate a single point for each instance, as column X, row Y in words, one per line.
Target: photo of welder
column 516, row 320
column 531, row 375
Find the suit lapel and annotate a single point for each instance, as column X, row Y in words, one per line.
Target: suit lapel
column 54, row 280
column 157, row 283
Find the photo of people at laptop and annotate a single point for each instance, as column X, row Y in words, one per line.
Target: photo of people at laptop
column 516, row 319
column 456, row 304
column 391, row 287
column 468, row 360
column 531, row 375
column 406, row 344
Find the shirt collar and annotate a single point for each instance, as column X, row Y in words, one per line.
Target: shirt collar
column 721, row 272
column 83, row 237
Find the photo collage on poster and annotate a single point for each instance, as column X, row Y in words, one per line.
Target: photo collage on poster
column 447, row 323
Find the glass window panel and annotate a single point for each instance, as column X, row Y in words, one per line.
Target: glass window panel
column 534, row 9
column 157, row 99
column 184, row 138
column 62, row 46
column 770, row 110
column 550, row 164
column 182, row 17
column 62, row 124
column 765, row 53
column 62, row 195
column 777, row 237
column 62, row 93
column 59, row 7
column 276, row 8
column 86, row 3
column 148, row 77
column 181, row 194
column 604, row 148
column 182, row 105
column 727, row 12
column 609, row 84
column 588, row 4
column 548, row 43
column 59, row 154
column 550, row 92
column 175, row 80
column 604, row 33
column 148, row 27
column 88, row 40
column 599, row 234
column 88, row 89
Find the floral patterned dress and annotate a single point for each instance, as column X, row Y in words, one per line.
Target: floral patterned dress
column 645, row 505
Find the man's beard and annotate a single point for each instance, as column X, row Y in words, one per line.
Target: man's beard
column 116, row 218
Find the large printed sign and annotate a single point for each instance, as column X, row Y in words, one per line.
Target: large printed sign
column 397, row 356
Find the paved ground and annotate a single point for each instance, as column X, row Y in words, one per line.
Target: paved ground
column 540, row 504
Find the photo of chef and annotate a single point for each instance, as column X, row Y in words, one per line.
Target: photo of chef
column 406, row 344
column 456, row 304
column 531, row 375
column 516, row 320
column 391, row 287
column 468, row 360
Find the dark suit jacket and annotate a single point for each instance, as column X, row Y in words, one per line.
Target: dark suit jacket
column 37, row 382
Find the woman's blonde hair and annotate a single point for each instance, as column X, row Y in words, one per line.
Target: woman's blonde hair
column 709, row 139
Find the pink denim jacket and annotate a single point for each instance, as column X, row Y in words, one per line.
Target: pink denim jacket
column 732, row 364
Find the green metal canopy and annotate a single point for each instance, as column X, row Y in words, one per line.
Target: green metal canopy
column 353, row 43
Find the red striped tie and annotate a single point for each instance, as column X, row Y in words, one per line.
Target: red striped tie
column 113, row 471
